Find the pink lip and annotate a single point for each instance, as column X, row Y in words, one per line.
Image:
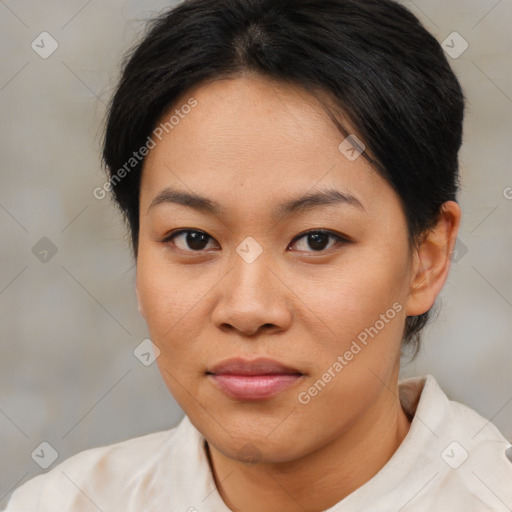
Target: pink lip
column 253, row 380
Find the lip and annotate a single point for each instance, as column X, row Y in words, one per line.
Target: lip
column 258, row 379
column 260, row 366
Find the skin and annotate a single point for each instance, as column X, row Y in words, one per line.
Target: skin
column 251, row 144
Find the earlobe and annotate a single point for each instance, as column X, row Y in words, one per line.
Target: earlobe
column 432, row 260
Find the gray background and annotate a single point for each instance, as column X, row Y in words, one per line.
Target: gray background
column 69, row 325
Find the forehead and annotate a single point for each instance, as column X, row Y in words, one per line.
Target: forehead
column 255, row 139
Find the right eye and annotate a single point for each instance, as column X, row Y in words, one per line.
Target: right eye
column 188, row 240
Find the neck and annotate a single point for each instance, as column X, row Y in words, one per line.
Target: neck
column 321, row 479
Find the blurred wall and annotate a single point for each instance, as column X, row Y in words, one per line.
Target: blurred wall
column 69, row 320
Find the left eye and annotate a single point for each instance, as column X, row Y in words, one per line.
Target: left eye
column 318, row 240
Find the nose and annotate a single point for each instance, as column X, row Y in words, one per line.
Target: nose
column 252, row 298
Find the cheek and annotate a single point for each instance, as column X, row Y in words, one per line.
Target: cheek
column 362, row 305
column 171, row 305
column 352, row 296
column 167, row 297
column 177, row 309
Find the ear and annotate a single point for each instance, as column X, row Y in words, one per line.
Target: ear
column 431, row 260
column 139, row 305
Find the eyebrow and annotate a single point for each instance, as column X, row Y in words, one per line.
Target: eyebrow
column 308, row 201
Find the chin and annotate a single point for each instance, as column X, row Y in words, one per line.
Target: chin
column 257, row 447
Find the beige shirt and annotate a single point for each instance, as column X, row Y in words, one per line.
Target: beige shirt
column 452, row 460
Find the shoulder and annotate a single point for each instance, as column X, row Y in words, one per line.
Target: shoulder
column 473, row 460
column 75, row 482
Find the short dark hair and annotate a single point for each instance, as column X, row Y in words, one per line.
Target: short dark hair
column 370, row 62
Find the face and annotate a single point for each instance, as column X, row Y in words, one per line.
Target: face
column 318, row 286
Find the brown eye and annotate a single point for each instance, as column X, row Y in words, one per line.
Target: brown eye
column 317, row 241
column 189, row 240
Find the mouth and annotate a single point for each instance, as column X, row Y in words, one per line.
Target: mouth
column 259, row 379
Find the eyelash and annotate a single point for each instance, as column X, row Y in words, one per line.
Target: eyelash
column 338, row 238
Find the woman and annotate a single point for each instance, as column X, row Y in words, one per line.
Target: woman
column 289, row 174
